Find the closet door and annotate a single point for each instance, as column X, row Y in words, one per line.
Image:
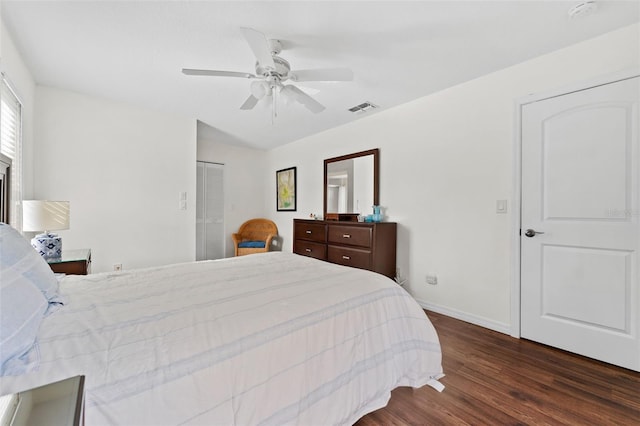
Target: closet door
column 210, row 211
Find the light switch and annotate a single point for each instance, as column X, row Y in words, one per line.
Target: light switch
column 501, row 206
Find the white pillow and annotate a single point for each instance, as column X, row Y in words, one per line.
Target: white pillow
column 22, row 308
column 17, row 257
column 27, row 288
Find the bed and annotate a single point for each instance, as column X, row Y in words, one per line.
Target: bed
column 271, row 339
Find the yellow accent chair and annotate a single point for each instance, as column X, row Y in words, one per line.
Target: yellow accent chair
column 254, row 236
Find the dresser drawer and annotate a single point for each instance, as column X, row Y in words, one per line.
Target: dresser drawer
column 310, row 232
column 356, row 258
column 350, row 235
column 311, row 249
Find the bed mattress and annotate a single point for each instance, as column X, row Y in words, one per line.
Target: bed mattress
column 271, row 339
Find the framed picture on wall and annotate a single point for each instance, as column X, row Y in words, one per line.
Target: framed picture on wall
column 286, row 190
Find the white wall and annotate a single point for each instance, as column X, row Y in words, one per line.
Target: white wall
column 244, row 186
column 444, row 161
column 122, row 168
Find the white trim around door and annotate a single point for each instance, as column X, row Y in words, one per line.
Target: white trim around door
column 517, row 179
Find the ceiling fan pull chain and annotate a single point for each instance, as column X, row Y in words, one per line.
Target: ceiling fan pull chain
column 274, row 108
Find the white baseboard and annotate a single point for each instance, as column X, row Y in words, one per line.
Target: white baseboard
column 466, row 317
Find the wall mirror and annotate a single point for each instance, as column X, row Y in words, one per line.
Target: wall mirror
column 351, row 184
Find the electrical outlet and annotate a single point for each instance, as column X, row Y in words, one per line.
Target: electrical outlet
column 432, row 279
column 398, row 273
column 117, row 267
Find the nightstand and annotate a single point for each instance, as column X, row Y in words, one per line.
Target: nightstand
column 60, row 403
column 72, row 262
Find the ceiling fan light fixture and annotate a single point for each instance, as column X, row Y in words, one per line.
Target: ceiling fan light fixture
column 288, row 94
column 259, row 89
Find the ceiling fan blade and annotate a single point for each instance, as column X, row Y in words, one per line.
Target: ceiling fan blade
column 214, row 73
column 323, row 74
column 260, row 46
column 250, row 102
column 301, row 97
column 311, row 91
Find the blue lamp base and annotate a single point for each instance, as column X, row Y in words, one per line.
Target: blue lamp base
column 48, row 245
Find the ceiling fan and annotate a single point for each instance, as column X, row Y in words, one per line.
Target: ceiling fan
column 272, row 72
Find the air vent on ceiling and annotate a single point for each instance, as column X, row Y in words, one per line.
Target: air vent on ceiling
column 364, row 107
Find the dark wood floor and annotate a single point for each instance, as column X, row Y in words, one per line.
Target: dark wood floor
column 494, row 379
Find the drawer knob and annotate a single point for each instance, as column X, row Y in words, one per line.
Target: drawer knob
column 346, row 257
column 308, row 231
column 346, row 236
column 307, row 250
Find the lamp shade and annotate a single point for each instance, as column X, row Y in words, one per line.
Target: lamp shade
column 38, row 215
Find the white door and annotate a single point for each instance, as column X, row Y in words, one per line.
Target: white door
column 580, row 190
column 210, row 211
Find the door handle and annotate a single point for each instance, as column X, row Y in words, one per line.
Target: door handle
column 532, row 233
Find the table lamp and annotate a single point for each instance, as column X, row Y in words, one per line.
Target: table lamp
column 45, row 216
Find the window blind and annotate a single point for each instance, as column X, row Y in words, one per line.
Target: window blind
column 11, row 146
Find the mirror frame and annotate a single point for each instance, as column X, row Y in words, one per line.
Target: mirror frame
column 376, row 168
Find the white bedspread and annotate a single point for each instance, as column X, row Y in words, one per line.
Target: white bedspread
column 273, row 339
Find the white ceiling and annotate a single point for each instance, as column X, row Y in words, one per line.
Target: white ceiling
column 133, row 51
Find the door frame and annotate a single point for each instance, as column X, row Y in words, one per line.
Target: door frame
column 516, row 219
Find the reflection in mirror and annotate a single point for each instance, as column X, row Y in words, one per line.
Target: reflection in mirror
column 351, row 183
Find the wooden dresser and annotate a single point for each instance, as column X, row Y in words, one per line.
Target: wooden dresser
column 369, row 246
